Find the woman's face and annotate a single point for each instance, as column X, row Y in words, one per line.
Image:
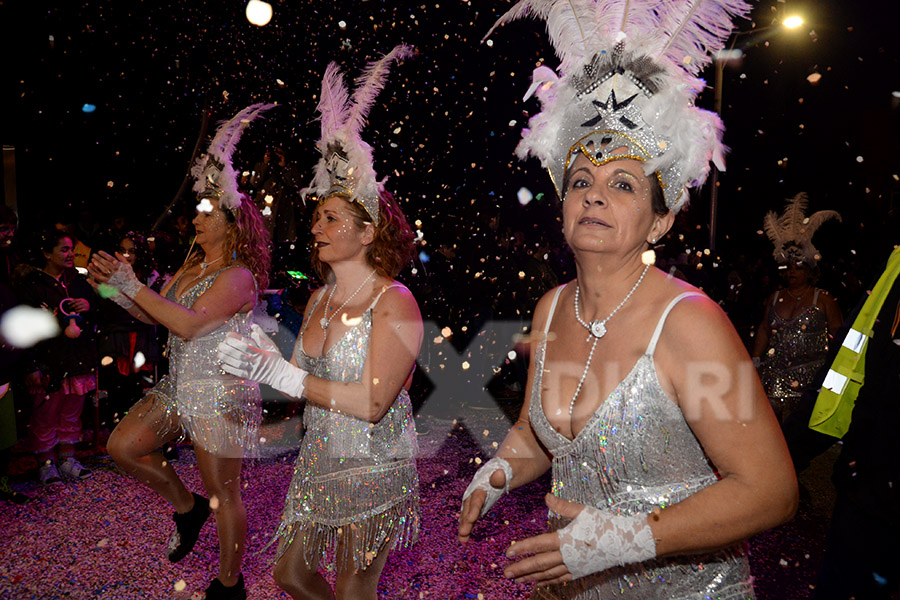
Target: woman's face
column 337, row 233
column 797, row 274
column 127, row 250
column 609, row 208
column 210, row 224
column 62, row 256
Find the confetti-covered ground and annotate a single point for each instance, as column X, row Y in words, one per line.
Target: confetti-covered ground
column 105, row 537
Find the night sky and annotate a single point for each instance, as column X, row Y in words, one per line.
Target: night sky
column 812, row 110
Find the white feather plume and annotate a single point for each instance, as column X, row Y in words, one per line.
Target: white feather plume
column 221, row 149
column 696, row 30
column 370, row 83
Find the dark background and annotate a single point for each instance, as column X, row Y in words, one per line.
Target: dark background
column 445, row 127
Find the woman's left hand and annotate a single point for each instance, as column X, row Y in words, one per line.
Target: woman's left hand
column 102, row 266
column 545, row 566
column 117, row 273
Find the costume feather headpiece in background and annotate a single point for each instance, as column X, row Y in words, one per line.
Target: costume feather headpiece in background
column 792, row 232
column 628, row 80
column 214, row 177
column 346, row 168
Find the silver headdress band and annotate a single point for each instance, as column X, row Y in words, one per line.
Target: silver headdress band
column 214, row 177
column 792, row 232
column 627, row 87
column 346, row 168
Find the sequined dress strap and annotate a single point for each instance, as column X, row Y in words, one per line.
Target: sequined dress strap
column 552, row 309
column 651, row 347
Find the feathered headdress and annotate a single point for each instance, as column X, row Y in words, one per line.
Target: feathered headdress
column 628, row 80
column 792, row 232
column 346, row 168
column 214, row 177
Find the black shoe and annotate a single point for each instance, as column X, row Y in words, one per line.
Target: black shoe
column 218, row 591
column 187, row 529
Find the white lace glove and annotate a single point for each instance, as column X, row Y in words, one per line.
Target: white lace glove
column 122, row 300
column 125, row 281
column 482, row 481
column 597, row 540
column 240, row 357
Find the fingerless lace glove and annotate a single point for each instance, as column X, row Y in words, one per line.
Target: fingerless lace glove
column 482, row 481
column 597, row 540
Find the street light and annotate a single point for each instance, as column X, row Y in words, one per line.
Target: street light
column 721, row 58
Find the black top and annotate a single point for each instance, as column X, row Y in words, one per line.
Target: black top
column 60, row 357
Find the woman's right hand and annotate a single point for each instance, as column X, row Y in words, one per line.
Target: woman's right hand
column 489, row 483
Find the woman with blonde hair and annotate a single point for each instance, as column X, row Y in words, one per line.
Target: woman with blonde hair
column 210, row 296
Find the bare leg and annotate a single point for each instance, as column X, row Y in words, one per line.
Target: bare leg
column 362, row 584
column 222, row 479
column 300, row 581
column 133, row 446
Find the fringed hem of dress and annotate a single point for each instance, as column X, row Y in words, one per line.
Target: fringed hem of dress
column 358, row 542
column 580, row 590
column 231, row 435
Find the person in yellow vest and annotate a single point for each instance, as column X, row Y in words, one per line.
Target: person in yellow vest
column 859, row 403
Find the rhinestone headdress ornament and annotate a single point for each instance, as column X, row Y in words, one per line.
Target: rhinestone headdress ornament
column 792, row 232
column 214, row 177
column 628, row 79
column 346, row 168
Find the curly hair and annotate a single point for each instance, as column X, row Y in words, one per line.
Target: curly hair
column 393, row 245
column 246, row 242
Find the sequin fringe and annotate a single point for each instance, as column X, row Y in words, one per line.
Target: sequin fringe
column 395, row 528
column 577, row 590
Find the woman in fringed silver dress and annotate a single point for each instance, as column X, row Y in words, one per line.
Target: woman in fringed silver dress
column 355, row 488
column 641, row 398
column 211, row 295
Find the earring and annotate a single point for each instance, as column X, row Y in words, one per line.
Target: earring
column 652, row 240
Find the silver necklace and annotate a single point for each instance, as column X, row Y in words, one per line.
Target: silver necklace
column 598, row 330
column 325, row 321
column 597, row 327
column 205, row 265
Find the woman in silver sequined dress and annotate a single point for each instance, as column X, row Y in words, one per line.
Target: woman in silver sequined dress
column 641, row 398
column 355, row 485
column 792, row 339
column 211, row 295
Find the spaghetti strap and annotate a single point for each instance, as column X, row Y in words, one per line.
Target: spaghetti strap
column 553, row 309
column 651, row 347
column 381, row 293
column 315, row 304
column 816, row 297
column 775, row 299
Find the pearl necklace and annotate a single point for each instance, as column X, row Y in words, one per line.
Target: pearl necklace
column 598, row 330
column 325, row 321
column 205, row 265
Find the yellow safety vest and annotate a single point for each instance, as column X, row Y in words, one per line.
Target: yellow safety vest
column 834, row 406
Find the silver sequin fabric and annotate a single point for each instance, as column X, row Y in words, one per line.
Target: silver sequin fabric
column 798, row 348
column 637, row 453
column 219, row 412
column 354, row 482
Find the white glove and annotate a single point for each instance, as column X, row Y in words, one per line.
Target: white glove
column 482, row 481
column 262, row 339
column 597, row 540
column 122, row 300
column 125, row 281
column 240, row 357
